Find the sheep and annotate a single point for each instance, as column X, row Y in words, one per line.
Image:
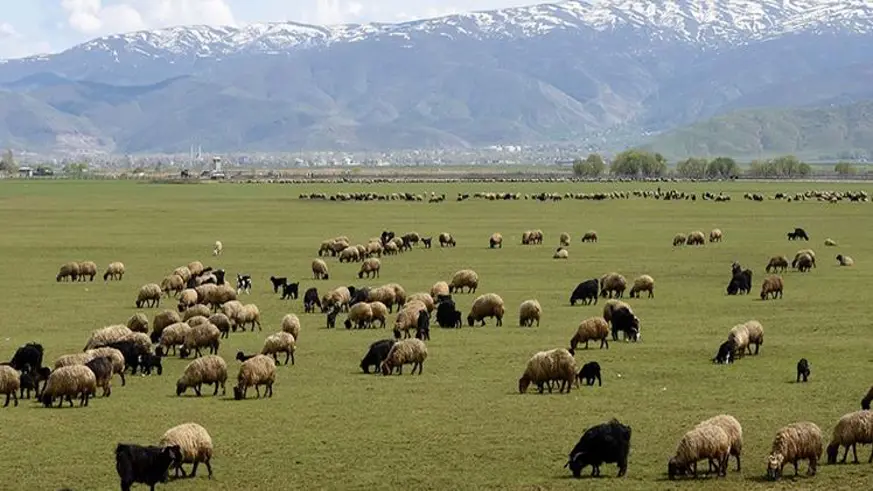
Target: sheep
column 319, row 270
column 865, row 402
column 248, row 314
column 183, row 272
column 830, row 242
column 360, row 314
column 422, row 328
column 380, row 313
column 407, row 318
column 799, row 254
column 845, row 260
column 339, row 297
column 851, row 429
column 465, row 278
column 174, row 335
column 218, row 248
column 210, row 369
column 589, row 373
column 349, row 254
column 679, row 239
column 311, row 300
column 561, row 253
column 196, row 311
column 149, row 294
column 146, row 465
column 611, row 306
column 374, row 248
column 424, row 298
column 701, row 442
column 446, row 239
column 370, row 268
column 115, row 271
column 803, row 263
column 193, row 442
column 591, row 329
column 218, row 296
column 795, row 442
column 222, row 323
column 10, row 383
column 741, row 280
column 162, row 320
column 590, row 236
column 496, row 241
column 447, row 315
column 106, row 335
column 739, row 338
column 643, row 283
column 803, row 370
column 201, row 335
column 102, row 368
column 604, row 443
column 138, row 323
column 115, row 356
column 488, row 305
column 27, row 358
column 399, row 293
column 695, row 238
column 87, row 268
column 377, row 352
column 756, row 335
column 734, row 431
column 528, row 312
column 281, row 342
column 547, row 366
column 69, row 270
column 772, row 286
column 256, row 371
column 777, row 264
column 404, row 352
column 187, row 298
column 564, row 239
column 612, row 283
column 587, row 291
column 291, row 325
column 798, row 233
column 715, row 235
column 68, row 382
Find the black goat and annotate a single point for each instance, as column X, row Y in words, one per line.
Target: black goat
column 278, row 283
column 149, row 362
column 604, row 443
column 803, row 369
column 331, row 317
column 624, row 321
column 741, row 282
column 422, row 330
column 589, row 373
column 144, row 464
column 240, row 356
column 427, row 242
column 27, row 358
column 290, row 290
column 311, row 300
column 378, row 351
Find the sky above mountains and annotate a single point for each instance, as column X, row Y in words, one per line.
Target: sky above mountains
column 40, row 26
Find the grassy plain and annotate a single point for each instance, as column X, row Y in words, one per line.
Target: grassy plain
column 462, row 424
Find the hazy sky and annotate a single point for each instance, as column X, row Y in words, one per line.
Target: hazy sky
column 39, row 26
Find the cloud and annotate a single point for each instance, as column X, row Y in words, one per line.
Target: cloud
column 97, row 17
column 14, row 45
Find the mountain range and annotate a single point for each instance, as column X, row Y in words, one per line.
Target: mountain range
column 579, row 70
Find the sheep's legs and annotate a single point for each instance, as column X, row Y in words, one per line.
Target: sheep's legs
column 855, row 452
column 845, row 455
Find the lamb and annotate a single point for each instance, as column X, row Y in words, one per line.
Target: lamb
column 174, row 335
column 10, row 383
column 319, row 270
column 679, row 239
column 146, row 465
column 405, row 352
column 201, row 335
column 734, row 431
column 149, row 294
column 715, row 235
column 377, row 352
column 291, row 325
column 772, row 286
column 311, row 300
column 256, row 371
column 851, row 429
column 439, row 289
column 547, row 366
column 604, row 443
column 591, row 329
column 446, row 239
column 465, row 278
column 590, row 236
column 612, row 283
column 102, row 368
column 217, row 248
column 496, row 240
column 210, row 369
column 281, row 342
column 561, row 253
column 587, row 291
column 115, row 271
column 87, row 268
column 564, row 240
column 488, row 305
column 643, row 283
column 777, row 264
column 589, row 373
column 528, row 312
column 829, row 242
column 702, row 442
column 370, row 268
column 194, row 444
column 845, row 260
column 243, row 283
column 695, row 238
column 795, row 442
column 803, row 370
column 756, row 335
column 68, row 382
column 69, row 270
column 739, row 338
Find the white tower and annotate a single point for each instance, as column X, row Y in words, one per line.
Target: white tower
column 216, row 164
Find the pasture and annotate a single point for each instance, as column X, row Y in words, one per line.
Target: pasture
column 462, row 424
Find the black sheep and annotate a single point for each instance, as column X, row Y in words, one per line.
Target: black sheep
column 219, row 276
column 27, row 358
column 378, row 351
column 422, row 330
column 290, row 290
column 590, row 372
column 741, row 283
column 144, row 464
column 240, row 356
column 625, row 322
column 149, row 362
column 427, row 242
column 131, row 353
column 585, row 291
column 386, row 236
column 798, row 233
column 446, row 315
column 725, row 353
column 604, row 443
column 278, row 283
column 331, row 317
column 360, row 295
column 102, row 368
column 311, row 300
column 803, row 369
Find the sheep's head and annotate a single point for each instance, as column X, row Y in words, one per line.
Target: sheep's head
column 46, row 400
column 523, row 384
column 348, row 324
column 674, row 468
column 833, row 450
column 386, row 368
column 237, row 393
column 576, row 464
column 180, row 388
column 774, row 465
column 470, row 320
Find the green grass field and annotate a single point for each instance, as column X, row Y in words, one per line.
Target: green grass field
column 462, row 424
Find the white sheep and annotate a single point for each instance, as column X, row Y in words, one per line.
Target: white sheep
column 488, row 305
column 281, row 342
column 210, row 369
column 404, row 352
column 149, row 294
column 194, row 442
column 591, row 329
column 218, row 248
column 704, row 442
column 547, row 366
column 69, row 382
column 256, row 371
column 115, row 271
column 291, row 325
column 528, row 312
column 851, row 429
column 10, row 383
column 795, row 442
column 465, row 278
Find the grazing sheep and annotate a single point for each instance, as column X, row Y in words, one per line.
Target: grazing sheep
column 488, row 305
column 202, row 335
column 361, row 315
column 174, row 335
column 386, row 296
column 138, row 323
column 319, row 270
column 756, row 335
column 643, row 283
column 107, row 335
column 695, row 238
column 196, row 311
column 102, row 368
column 399, row 293
column 803, row 370
column 150, row 295
column 589, row 373
column 69, row 382
column 194, row 443
column 377, row 352
column 218, row 296
column 380, row 313
column 424, row 298
column 739, row 338
column 612, row 283
column 591, row 329
column 800, row 253
column 590, row 236
column 865, row 402
column 528, row 312
column 403, row 353
column 446, row 239
column 256, row 371
column 587, row 291
column 622, row 318
column 338, row 297
column 144, row 464
column 172, row 284
column 281, row 342
column 10, row 383
column 447, row 316
column 183, row 272
column 547, row 366
column 561, row 253
column 162, row 320
column 604, row 443
column 221, row 322
column 440, row 288
column 803, row 263
column 741, row 280
column 830, row 242
column 798, row 233
column 777, row 264
column 496, row 240
column 679, row 239
column 795, row 442
column 734, row 431
column 772, row 286
column 87, row 268
column 69, row 270
column 217, row 248
column 708, row 442
column 845, row 260
column 116, row 356
column 465, row 278
column 851, row 429
column 115, row 271
column 715, row 235
column 370, row 268
column 248, row 314
column 196, row 268
column 187, row 298
column 564, row 239
column 291, row 325
column 407, row 318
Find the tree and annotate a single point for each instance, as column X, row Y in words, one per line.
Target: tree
column 692, row 168
column 723, row 167
column 7, row 162
column 632, row 163
column 592, row 166
column 845, row 169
